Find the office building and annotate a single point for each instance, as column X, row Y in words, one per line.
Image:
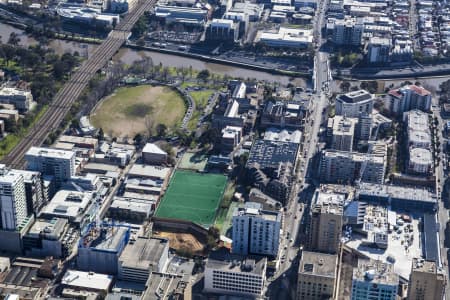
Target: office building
column 326, row 220
column 22, row 100
column 348, row 32
column 231, row 137
column 99, row 249
column 341, row 132
column 13, row 203
column 290, row 114
column 222, row 30
column 141, row 257
column 378, row 50
column 152, row 154
column 50, row 237
column 346, row 167
column 286, row 37
column 77, row 207
column 231, row 274
column 256, row 231
column 48, row 161
column 409, row 97
column 317, row 274
column 427, row 281
column 398, row 197
column 189, row 16
column 354, row 103
column 374, row 280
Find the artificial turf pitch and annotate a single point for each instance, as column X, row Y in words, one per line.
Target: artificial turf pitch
column 193, row 196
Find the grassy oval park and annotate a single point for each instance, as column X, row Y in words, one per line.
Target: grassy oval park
column 124, row 113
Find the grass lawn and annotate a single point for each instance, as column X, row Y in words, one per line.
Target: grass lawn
column 124, row 112
column 201, row 97
column 193, row 196
column 11, row 140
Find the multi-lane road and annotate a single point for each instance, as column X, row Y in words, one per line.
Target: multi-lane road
column 72, row 90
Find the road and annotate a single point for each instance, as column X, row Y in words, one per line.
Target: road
column 71, row 91
column 443, row 213
column 290, row 241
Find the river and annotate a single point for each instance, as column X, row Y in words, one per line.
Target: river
column 128, row 56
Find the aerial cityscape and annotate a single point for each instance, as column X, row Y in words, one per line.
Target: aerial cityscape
column 224, row 149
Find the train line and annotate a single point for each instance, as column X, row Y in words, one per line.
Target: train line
column 74, row 87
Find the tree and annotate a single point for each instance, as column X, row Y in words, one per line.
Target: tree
column 345, row 86
column 138, row 138
column 14, row 39
column 161, row 130
column 149, row 124
column 203, row 75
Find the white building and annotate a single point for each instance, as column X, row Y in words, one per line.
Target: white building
column 232, row 274
column 408, row 98
column 256, row 231
column 152, row 154
column 286, row 37
column 48, row 161
column 374, row 280
column 355, row 103
column 13, row 202
column 22, row 100
column 341, row 131
column 420, row 160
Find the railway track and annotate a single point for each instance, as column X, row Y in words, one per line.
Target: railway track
column 71, row 91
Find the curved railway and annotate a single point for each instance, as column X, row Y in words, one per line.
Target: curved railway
column 72, row 89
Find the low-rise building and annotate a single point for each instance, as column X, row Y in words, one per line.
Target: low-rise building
column 87, row 281
column 222, row 30
column 152, row 154
column 131, row 209
column 22, row 100
column 286, row 37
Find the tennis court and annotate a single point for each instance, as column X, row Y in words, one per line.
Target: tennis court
column 193, row 196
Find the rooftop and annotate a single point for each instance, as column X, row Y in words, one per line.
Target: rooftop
column 133, row 204
column 256, row 211
column 318, row 264
column 68, row 204
column 50, row 153
column 396, row 191
column 138, row 170
column 89, row 280
column 153, row 148
column 269, row 154
column 356, row 96
column 109, row 237
column 275, row 134
column 375, row 271
column 223, row 260
column 143, row 253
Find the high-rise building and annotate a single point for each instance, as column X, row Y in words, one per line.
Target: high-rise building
column 48, row 161
column 326, row 222
column 346, row 167
column 363, row 128
column 426, row 281
column 13, row 204
column 378, row 50
column 316, row 276
column 374, row 280
column 354, row 103
column 348, row 31
column 341, row 131
column 409, row 97
column 256, row 231
column 33, row 190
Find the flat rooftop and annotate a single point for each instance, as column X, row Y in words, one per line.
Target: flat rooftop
column 226, row 261
column 109, row 238
column 375, row 271
column 318, row 264
column 50, row 153
column 144, row 253
column 67, row 203
column 88, row 280
column 396, row 249
column 269, row 154
column 396, row 191
column 138, row 170
column 356, row 96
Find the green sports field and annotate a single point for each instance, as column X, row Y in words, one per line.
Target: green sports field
column 193, row 196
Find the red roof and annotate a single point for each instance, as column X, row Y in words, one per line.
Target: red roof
column 419, row 90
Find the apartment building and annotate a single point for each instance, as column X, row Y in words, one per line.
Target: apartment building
column 354, row 103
